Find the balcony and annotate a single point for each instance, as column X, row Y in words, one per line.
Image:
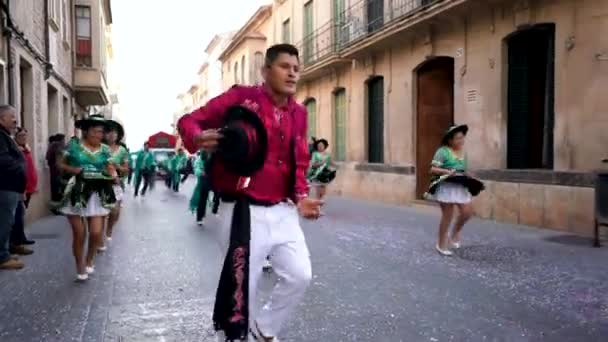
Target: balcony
column 336, row 41
column 90, row 87
column 319, row 50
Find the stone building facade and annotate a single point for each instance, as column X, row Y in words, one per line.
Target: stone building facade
column 37, row 76
column 243, row 58
column 383, row 79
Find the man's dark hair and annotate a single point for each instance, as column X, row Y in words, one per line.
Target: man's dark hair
column 274, row 51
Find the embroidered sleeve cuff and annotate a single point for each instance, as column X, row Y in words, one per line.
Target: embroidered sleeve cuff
column 299, row 197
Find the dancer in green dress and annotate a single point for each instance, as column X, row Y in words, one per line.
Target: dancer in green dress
column 120, row 158
column 320, row 173
column 449, row 160
column 89, row 193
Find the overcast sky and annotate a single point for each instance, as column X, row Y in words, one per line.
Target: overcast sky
column 159, row 46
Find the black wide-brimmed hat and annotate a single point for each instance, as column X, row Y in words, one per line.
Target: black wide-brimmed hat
column 240, row 153
column 325, row 142
column 450, row 132
column 91, row 121
column 244, row 143
column 113, row 125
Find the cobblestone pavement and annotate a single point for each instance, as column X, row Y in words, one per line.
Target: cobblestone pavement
column 377, row 277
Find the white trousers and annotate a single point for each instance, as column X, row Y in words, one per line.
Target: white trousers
column 275, row 231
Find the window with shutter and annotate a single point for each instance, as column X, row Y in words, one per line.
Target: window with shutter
column 236, row 73
column 286, row 31
column 530, row 98
column 308, row 32
column 340, row 30
column 258, row 64
column 311, row 108
column 340, row 125
column 243, row 70
column 83, row 36
column 375, row 15
column 375, row 89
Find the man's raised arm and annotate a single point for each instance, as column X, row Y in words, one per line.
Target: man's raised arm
column 209, row 116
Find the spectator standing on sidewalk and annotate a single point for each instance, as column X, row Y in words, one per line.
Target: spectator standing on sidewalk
column 18, row 239
column 12, row 184
column 53, row 154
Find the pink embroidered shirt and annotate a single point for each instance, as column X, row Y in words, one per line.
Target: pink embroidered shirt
column 283, row 175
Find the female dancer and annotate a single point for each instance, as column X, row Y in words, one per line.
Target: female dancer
column 320, row 173
column 89, row 194
column 450, row 159
column 120, row 158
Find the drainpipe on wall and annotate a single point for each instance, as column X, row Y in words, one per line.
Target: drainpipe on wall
column 9, row 57
column 47, row 48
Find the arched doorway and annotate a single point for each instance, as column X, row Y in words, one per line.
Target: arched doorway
column 530, row 99
column 435, row 113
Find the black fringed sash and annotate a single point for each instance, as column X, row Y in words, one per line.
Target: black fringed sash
column 84, row 188
column 231, row 311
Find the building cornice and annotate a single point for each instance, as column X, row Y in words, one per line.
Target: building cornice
column 263, row 13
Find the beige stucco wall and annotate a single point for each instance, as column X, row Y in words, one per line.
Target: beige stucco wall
column 247, row 49
column 477, row 46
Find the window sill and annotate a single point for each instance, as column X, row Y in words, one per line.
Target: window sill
column 543, row 177
column 386, row 168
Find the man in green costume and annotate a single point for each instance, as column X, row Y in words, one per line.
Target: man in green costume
column 177, row 163
column 145, row 165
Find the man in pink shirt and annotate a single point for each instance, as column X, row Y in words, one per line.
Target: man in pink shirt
column 277, row 192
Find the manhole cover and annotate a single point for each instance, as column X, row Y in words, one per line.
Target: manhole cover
column 183, row 320
column 42, row 236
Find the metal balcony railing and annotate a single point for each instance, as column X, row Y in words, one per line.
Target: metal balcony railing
column 357, row 22
column 319, row 44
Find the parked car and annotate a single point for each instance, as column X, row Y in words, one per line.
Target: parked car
column 161, row 155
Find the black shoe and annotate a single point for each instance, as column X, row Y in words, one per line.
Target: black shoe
column 29, row 242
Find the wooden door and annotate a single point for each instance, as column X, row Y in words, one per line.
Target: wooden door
column 435, row 106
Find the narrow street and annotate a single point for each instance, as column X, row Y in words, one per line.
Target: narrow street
column 377, row 277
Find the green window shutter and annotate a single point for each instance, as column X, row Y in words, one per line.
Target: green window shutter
column 376, row 120
column 340, row 125
column 311, row 108
column 339, row 23
column 287, row 31
column 308, row 30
